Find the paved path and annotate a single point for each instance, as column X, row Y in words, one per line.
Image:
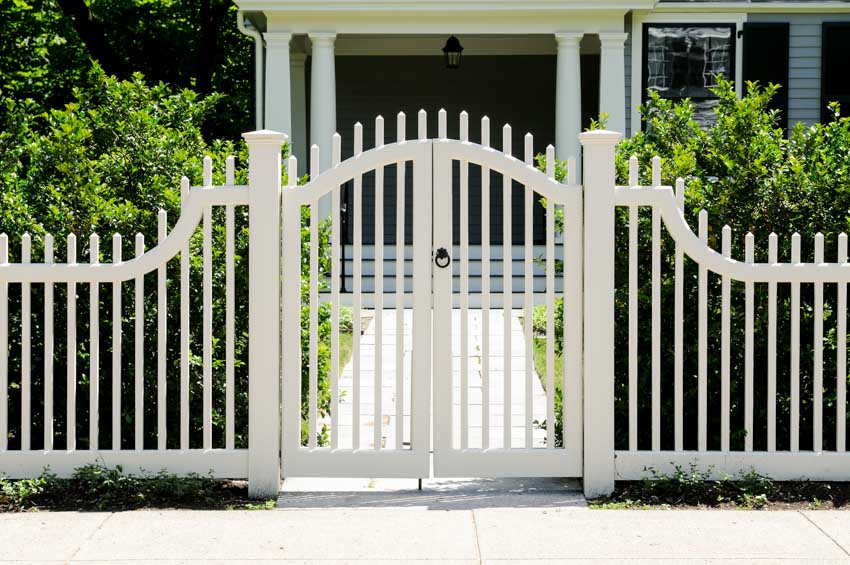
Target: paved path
column 416, row 534
column 388, row 381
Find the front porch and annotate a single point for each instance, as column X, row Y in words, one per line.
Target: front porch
column 537, row 66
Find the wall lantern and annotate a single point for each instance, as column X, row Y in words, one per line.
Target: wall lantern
column 453, row 50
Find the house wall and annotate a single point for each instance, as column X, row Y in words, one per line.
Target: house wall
column 519, row 90
column 804, row 72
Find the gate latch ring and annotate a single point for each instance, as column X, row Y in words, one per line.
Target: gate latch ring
column 442, row 258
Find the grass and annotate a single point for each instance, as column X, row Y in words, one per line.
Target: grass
column 539, row 349
column 98, row 488
column 346, row 345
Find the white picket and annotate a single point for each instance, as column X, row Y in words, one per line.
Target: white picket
column 507, row 289
column 117, row 310
column 702, row 341
column 71, row 354
column 48, row 349
column 208, row 313
column 749, row 257
column 678, row 328
column 229, row 311
column 336, row 228
column 26, row 352
column 795, row 348
column 185, row 351
column 94, row 347
column 550, row 309
column 378, row 377
column 464, row 288
column 773, row 258
column 357, row 214
column 656, row 311
column 401, row 136
column 485, row 290
column 817, row 424
column 161, row 339
column 139, row 385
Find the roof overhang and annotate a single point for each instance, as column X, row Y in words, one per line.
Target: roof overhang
column 779, row 6
column 379, row 6
column 406, row 17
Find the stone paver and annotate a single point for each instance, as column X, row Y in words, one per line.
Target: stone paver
column 475, row 390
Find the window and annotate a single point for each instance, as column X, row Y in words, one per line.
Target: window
column 683, row 61
column 835, row 79
column 766, row 52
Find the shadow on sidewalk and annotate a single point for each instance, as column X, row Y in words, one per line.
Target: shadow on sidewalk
column 436, row 494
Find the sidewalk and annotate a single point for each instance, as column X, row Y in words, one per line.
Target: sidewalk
column 417, row 533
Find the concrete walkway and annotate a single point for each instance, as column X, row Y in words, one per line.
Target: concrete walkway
column 416, row 534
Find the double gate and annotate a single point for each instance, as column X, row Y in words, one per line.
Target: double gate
column 431, row 374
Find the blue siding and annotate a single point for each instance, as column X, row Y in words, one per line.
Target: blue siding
column 804, row 72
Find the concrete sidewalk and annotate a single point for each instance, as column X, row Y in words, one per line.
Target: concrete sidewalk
column 386, row 534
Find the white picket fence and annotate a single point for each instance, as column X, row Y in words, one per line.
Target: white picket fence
column 590, row 252
column 815, row 463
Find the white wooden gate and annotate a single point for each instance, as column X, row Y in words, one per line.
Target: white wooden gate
column 492, row 414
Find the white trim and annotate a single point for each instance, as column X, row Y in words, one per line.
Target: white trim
column 518, row 22
column 639, row 18
column 442, row 5
column 756, row 7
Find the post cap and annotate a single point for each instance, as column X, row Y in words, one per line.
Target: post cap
column 600, row 136
column 265, row 137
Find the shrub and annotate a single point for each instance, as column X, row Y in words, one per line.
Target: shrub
column 106, row 164
column 746, row 173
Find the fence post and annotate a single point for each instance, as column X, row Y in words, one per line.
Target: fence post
column 599, row 182
column 264, row 176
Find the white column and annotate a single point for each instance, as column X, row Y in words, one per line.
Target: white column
column 612, row 80
column 323, row 95
column 298, row 139
column 568, row 98
column 278, row 88
column 599, row 311
column 323, row 104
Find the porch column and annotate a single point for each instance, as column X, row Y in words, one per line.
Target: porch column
column 323, row 104
column 278, row 91
column 323, row 95
column 568, row 99
column 298, row 139
column 612, row 80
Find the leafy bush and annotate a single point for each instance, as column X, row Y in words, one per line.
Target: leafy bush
column 106, row 164
column 747, row 174
column 97, row 487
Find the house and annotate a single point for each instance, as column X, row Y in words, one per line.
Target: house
column 545, row 66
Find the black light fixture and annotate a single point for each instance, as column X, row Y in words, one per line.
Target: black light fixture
column 453, row 51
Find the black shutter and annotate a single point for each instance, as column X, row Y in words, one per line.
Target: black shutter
column 835, row 74
column 766, row 60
